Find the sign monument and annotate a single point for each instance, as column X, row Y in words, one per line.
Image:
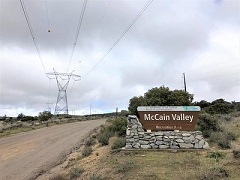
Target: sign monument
column 168, row 117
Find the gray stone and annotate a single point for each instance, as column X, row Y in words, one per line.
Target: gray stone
column 140, row 136
column 198, row 146
column 198, row 132
column 171, row 137
column 147, row 137
column 199, row 137
column 128, row 132
column 202, row 142
column 159, row 138
column 128, row 146
column 134, row 126
column 153, row 138
column 206, row 145
column 185, row 146
column 179, row 140
column 186, row 134
column 158, row 133
column 130, row 140
column 192, row 138
column 142, row 133
column 166, row 140
column 187, row 141
column 155, row 146
column 158, row 142
column 174, row 143
column 143, row 142
column 145, row 146
column 178, row 137
column 167, row 134
column 135, row 137
column 137, row 145
column 163, row 146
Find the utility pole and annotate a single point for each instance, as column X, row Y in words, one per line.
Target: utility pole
column 90, row 109
column 116, row 113
column 184, row 80
column 62, row 104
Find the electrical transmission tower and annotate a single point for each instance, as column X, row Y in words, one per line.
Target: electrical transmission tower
column 62, row 104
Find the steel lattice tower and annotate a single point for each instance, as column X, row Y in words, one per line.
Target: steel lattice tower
column 62, row 103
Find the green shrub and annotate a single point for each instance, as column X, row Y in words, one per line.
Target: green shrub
column 119, row 126
column 231, row 136
column 87, row 150
column 216, row 155
column 75, row 172
column 91, row 141
column 94, row 136
column 224, row 143
column 104, row 137
column 119, row 142
column 236, row 152
column 208, row 123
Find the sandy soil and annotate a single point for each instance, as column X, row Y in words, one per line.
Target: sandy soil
column 27, row 155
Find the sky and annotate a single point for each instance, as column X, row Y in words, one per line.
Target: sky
column 200, row 38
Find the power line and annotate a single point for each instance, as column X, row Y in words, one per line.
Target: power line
column 31, row 31
column 78, row 30
column 121, row 36
column 48, row 24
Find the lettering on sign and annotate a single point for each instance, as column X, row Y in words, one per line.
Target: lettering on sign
column 168, row 117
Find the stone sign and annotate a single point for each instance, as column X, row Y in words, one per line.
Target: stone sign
column 168, row 117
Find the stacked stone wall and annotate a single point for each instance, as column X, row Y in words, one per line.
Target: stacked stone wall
column 137, row 138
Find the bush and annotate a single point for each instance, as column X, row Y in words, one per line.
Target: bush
column 75, row 172
column 119, row 142
column 119, row 126
column 224, row 143
column 236, row 152
column 216, row 155
column 104, row 137
column 220, row 106
column 87, row 151
column 91, row 141
column 231, row 136
column 160, row 96
column 208, row 123
column 44, row 116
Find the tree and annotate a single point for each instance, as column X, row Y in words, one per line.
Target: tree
column 220, row 106
column 202, row 104
column 161, row 96
column 44, row 116
column 20, row 116
column 134, row 103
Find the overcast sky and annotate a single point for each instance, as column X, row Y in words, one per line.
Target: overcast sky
column 197, row 37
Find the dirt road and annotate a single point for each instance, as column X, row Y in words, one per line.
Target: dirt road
column 26, row 155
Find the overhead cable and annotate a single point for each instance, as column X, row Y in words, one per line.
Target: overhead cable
column 78, row 30
column 31, row 31
column 121, row 36
column 48, row 24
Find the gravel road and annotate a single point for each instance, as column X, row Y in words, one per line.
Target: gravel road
column 26, row 155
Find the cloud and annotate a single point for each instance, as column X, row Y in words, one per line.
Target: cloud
column 199, row 38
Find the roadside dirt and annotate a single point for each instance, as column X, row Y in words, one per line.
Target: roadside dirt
column 28, row 155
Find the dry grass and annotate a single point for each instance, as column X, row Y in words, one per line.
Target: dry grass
column 164, row 165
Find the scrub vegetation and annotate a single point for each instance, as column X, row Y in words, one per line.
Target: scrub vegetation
column 109, row 162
